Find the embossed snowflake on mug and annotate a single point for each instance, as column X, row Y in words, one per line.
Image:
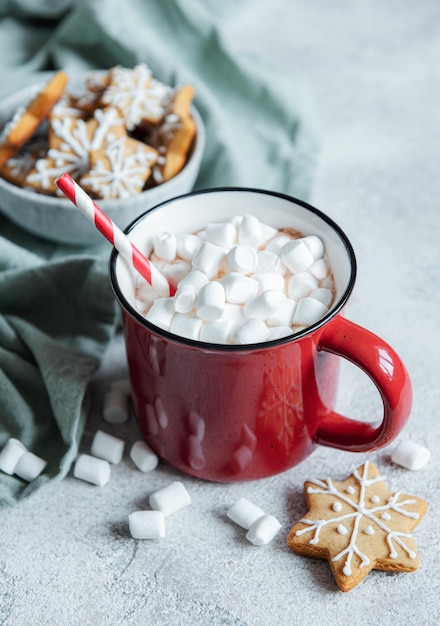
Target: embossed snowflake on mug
column 358, row 525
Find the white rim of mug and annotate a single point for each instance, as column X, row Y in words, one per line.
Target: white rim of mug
column 335, row 309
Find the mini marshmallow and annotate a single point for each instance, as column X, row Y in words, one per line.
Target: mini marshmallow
column 263, row 530
column 308, row 311
column 211, row 301
column 267, row 232
column 268, row 261
column 161, row 313
column 241, row 258
column 186, row 325
column 244, row 513
column 251, row 331
column 301, row 285
column 315, row 245
column 143, row 456
column 279, row 332
column 145, row 295
column 195, row 278
column 147, row 525
column 411, row 455
column 208, row 258
column 165, row 246
column 10, row 455
column 265, row 304
column 323, row 295
column 284, row 315
column 218, row 331
column 234, row 312
column 239, row 288
column 222, row 234
column 187, row 245
column 277, row 243
column 249, row 231
column 29, row 466
column 176, row 271
column 116, row 406
column 185, row 298
column 296, row 256
column 269, row 280
column 92, row 470
column 319, row 269
column 170, row 499
column 107, row 447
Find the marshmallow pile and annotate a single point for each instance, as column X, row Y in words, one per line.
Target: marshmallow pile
column 238, row 282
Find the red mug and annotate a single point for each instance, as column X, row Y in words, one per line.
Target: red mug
column 229, row 412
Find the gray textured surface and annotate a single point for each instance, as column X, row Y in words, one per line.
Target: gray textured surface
column 66, row 556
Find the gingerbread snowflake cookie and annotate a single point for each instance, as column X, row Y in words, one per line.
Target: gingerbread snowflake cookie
column 358, row 525
column 119, row 133
column 120, row 169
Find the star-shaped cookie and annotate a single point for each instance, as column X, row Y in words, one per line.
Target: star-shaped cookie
column 358, row 525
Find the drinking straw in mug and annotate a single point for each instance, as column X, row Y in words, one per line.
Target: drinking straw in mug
column 115, row 236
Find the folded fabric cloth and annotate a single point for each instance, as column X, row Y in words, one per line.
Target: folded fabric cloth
column 56, row 320
column 57, row 313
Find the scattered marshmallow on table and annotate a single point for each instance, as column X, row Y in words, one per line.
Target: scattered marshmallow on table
column 143, row 456
column 147, row 525
column 411, row 455
column 92, row 470
column 263, row 530
column 10, row 455
column 29, row 466
column 244, row 513
column 107, row 447
column 170, row 499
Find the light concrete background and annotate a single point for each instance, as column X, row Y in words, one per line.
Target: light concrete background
column 66, row 555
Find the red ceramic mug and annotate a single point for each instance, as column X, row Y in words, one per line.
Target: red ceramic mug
column 228, row 412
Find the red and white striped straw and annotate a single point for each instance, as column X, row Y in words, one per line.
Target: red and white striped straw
column 115, row 236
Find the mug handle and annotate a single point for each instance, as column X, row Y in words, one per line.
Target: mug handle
column 379, row 361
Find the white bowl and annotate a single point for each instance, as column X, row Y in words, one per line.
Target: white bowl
column 57, row 219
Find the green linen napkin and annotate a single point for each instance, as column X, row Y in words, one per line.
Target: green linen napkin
column 57, row 313
column 56, row 319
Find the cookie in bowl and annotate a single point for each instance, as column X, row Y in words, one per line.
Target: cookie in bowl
column 127, row 155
